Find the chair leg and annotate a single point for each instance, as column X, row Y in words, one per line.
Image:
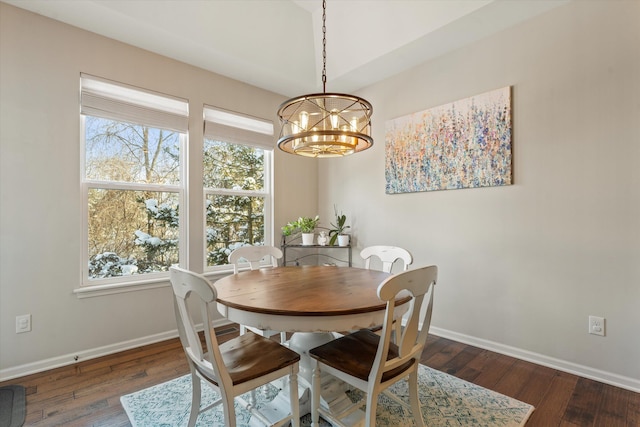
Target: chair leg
column 315, row 397
column 415, row 399
column 196, row 391
column 253, row 399
column 295, row 403
column 283, row 337
column 229, row 409
column 372, row 406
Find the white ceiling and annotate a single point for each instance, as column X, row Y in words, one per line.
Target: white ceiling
column 277, row 44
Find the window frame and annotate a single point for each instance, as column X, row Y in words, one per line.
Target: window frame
column 241, row 129
column 99, row 286
column 255, row 135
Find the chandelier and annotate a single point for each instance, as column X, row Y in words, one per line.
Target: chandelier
column 325, row 124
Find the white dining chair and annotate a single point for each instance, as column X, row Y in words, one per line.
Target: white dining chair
column 371, row 362
column 235, row 367
column 263, row 256
column 387, row 255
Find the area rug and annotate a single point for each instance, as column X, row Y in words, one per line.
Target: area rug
column 12, row 406
column 446, row 401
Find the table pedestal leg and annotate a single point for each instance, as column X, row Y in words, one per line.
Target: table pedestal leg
column 333, row 396
column 302, row 342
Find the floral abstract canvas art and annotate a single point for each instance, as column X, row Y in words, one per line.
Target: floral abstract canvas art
column 464, row 144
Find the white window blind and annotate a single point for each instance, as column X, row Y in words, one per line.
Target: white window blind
column 115, row 101
column 237, row 128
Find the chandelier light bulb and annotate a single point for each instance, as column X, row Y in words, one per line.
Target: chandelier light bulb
column 334, row 119
column 354, row 124
column 304, row 120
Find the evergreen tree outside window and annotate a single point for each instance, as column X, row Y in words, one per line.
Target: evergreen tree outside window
column 237, row 183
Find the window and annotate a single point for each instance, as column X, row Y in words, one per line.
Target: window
column 132, row 180
column 237, row 182
column 135, row 191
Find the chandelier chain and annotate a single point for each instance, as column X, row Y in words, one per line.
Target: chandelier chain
column 324, row 46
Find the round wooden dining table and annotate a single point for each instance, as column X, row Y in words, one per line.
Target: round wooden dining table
column 313, row 302
column 303, row 299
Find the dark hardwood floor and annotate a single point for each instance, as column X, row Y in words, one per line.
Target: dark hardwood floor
column 88, row 393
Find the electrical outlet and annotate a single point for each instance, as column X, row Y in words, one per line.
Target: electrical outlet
column 23, row 323
column 596, row 325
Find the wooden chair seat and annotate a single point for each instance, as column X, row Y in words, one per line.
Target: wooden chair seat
column 339, row 354
column 251, row 356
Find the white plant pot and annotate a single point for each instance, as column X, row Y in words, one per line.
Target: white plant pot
column 343, row 240
column 307, row 239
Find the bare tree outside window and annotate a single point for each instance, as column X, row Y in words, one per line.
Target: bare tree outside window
column 132, row 227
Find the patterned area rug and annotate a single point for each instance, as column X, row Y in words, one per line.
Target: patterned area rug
column 446, row 401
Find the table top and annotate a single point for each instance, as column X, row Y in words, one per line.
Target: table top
column 304, row 291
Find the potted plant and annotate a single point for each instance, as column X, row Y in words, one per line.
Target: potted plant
column 305, row 225
column 338, row 230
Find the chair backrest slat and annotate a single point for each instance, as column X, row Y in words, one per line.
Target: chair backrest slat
column 254, row 255
column 388, row 255
column 419, row 283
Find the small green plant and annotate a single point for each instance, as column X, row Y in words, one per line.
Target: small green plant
column 339, row 227
column 304, row 224
column 289, row 229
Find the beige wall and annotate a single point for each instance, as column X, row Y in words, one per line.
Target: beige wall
column 40, row 217
column 522, row 267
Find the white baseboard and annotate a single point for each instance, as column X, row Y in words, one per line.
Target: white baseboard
column 540, row 359
column 70, row 359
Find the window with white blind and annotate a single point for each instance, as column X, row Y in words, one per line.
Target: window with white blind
column 237, row 165
column 132, row 181
column 135, row 191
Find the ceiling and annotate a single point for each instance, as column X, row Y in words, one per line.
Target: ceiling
column 277, row 44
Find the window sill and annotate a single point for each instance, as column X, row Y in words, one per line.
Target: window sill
column 90, row 291
column 120, row 287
